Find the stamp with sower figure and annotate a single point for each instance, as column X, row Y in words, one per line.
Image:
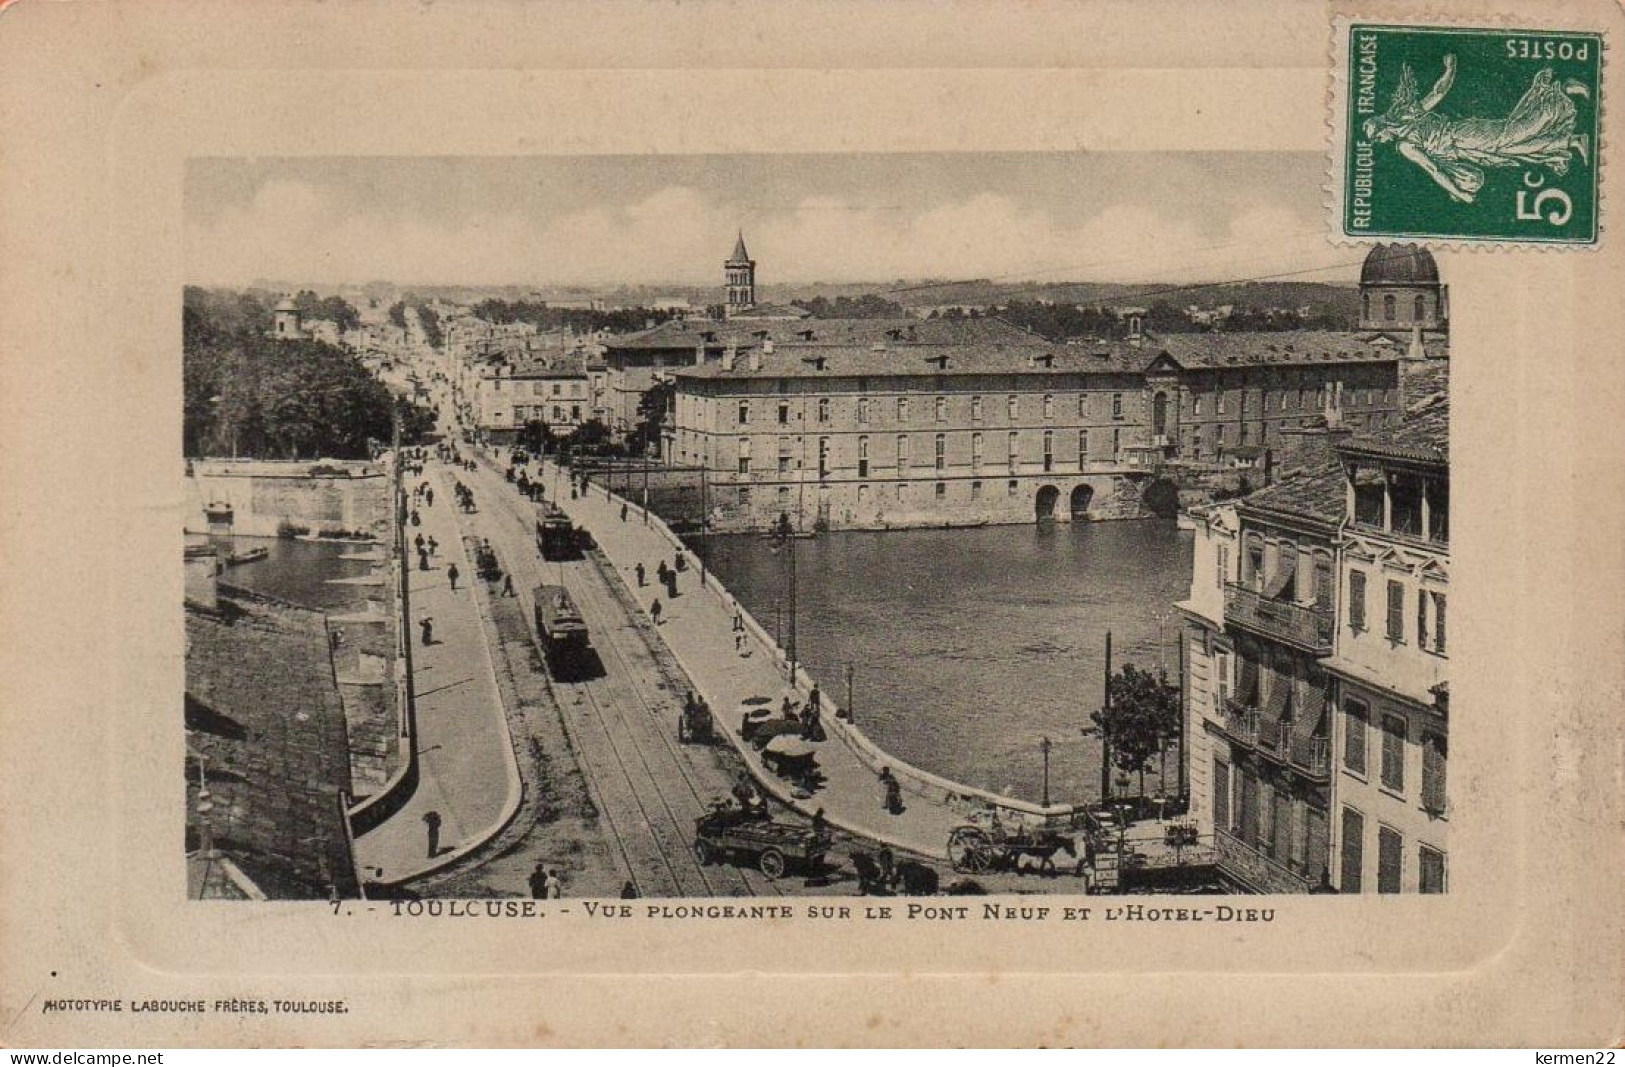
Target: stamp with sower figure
column 1468, row 134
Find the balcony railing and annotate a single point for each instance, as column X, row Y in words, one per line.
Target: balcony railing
column 1304, row 626
column 1310, row 756
column 1263, row 872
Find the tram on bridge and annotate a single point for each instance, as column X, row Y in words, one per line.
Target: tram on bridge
column 556, row 537
column 562, row 633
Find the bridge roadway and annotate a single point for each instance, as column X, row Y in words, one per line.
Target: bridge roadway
column 648, row 787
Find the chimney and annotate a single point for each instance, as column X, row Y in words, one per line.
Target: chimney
column 1135, row 330
column 755, row 358
column 767, row 347
column 1416, row 351
column 729, row 355
column 699, row 355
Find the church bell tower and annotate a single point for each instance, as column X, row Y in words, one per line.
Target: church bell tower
column 740, row 270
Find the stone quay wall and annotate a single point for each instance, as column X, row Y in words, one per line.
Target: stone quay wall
column 265, row 497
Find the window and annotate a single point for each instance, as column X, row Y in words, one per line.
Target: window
column 902, row 492
column 976, row 490
column 1221, row 794
column 942, row 409
column 1010, row 490
column 1246, row 434
column 1221, row 564
column 1393, row 753
column 1083, row 405
column 1218, row 401
column 1430, row 870
column 1388, row 307
column 744, row 455
column 863, row 410
column 1357, row 600
column 1283, row 400
column 1355, row 716
column 1117, row 405
column 1353, row 851
column 976, row 409
column 1196, row 403
column 942, row 451
column 744, row 496
column 1433, row 773
column 744, row 412
column 1049, row 450
column 575, row 411
column 1396, row 611
column 942, row 491
column 1015, row 447
column 1430, row 615
column 823, row 409
column 976, row 451
column 1049, row 406
column 1083, row 448
column 1390, row 856
column 1010, row 408
column 902, row 453
column 823, row 457
column 1117, row 442
column 784, row 497
column 1420, row 310
column 863, row 457
column 902, row 409
column 784, row 412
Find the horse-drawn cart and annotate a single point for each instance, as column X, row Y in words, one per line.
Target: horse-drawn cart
column 990, row 843
column 728, row 834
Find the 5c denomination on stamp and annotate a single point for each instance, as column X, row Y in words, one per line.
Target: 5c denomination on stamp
column 1468, row 134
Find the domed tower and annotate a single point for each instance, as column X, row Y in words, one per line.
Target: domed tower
column 1400, row 291
column 285, row 321
column 741, row 274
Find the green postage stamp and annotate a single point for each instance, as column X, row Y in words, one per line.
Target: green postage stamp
column 1468, row 134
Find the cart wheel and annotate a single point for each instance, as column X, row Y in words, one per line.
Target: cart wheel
column 970, row 850
column 772, row 863
column 704, row 852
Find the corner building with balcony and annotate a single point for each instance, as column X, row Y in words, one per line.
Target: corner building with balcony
column 1259, row 621
column 1391, row 660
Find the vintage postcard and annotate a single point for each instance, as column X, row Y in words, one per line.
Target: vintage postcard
column 946, row 516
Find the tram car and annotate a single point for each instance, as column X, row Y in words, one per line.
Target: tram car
column 562, row 633
column 556, row 537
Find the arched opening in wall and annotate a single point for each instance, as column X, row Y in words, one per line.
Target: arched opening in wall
column 1044, row 505
column 1081, row 496
column 1162, row 498
column 1159, row 414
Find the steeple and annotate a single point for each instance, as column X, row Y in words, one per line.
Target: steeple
column 740, row 272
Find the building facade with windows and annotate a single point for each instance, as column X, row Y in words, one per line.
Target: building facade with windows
column 1260, row 620
column 1392, row 707
column 1315, row 682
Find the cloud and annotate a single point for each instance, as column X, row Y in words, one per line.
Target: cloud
column 297, row 231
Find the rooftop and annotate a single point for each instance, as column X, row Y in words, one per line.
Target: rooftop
column 690, row 333
column 1012, row 351
column 1399, row 264
column 1316, row 492
column 1422, row 435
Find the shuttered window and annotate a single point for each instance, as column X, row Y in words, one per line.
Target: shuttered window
column 1393, row 753
column 1433, row 772
column 1353, row 858
column 1356, row 600
column 1430, row 875
column 1354, row 743
column 1396, row 611
column 1390, row 859
column 1221, row 794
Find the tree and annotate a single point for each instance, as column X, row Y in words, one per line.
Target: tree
column 1141, row 717
column 397, row 313
column 867, row 306
column 652, row 408
column 431, row 325
column 536, row 437
column 590, row 436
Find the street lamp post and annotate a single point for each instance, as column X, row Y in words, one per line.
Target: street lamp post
column 1044, row 746
column 786, row 539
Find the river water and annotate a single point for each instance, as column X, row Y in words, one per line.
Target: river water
column 299, row 571
column 972, row 645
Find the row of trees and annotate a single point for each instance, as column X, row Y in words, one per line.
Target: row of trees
column 867, row 306
column 582, row 320
column 1062, row 322
column 247, row 394
column 1141, row 719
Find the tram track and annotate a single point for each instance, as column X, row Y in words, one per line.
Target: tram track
column 645, row 784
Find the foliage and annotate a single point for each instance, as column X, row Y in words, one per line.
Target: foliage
column 431, row 325
column 652, row 408
column 867, row 306
column 333, row 308
column 585, row 320
column 590, row 436
column 536, row 437
column 1060, row 322
column 1141, row 717
column 247, row 393
column 397, row 313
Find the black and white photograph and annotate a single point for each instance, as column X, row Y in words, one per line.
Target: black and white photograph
column 836, row 525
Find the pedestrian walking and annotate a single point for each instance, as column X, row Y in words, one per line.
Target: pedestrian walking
column 416, row 519
column 452, row 573
column 654, row 610
column 418, row 541
column 431, row 821
column 739, row 643
column 426, row 625
column 538, row 881
column 891, row 792
column 629, row 891
column 434, row 547
column 639, row 571
column 623, row 511
column 507, row 585
column 739, row 622
column 428, row 496
column 423, row 560
column 552, row 887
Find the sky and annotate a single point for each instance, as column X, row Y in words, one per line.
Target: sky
column 651, row 220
